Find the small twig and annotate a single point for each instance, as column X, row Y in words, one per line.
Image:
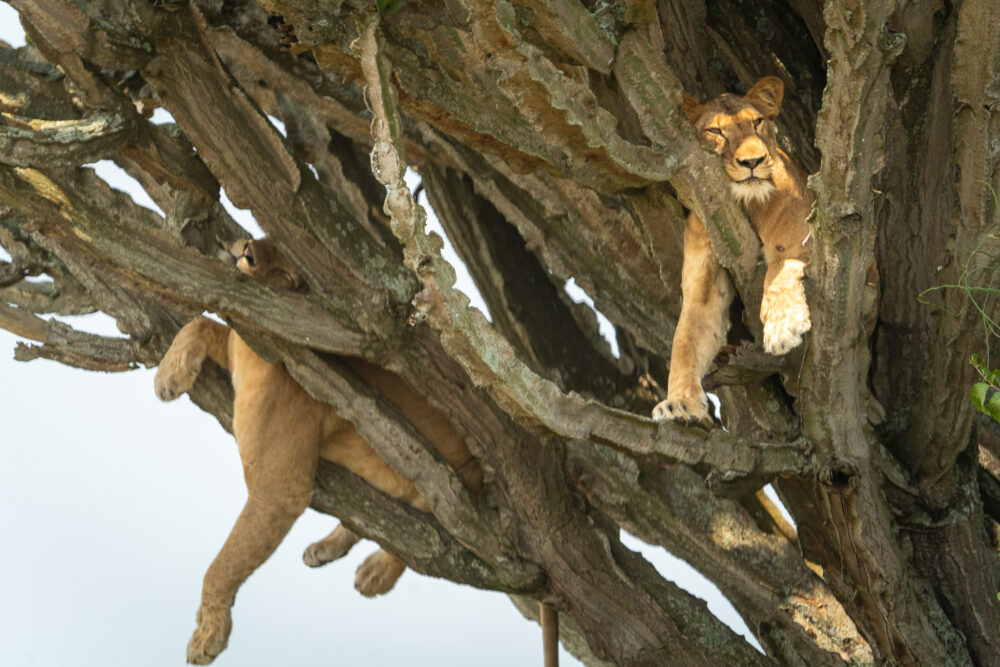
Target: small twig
column 63, row 343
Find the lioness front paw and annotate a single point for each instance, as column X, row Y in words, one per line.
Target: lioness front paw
column 211, row 636
column 783, row 310
column 378, row 574
column 173, row 377
column 784, row 324
column 687, row 405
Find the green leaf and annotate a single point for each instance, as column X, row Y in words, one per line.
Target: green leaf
column 979, row 392
column 388, row 7
column 978, row 396
column 993, row 407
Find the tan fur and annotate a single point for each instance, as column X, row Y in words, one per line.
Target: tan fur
column 772, row 190
column 282, row 432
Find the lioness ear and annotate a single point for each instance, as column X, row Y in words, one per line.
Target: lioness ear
column 691, row 107
column 766, row 95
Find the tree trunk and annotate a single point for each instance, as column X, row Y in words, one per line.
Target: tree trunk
column 551, row 145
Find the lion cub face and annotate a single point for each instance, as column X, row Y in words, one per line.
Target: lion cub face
column 261, row 260
column 741, row 131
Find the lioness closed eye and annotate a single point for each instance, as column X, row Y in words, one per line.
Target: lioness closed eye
column 771, row 187
column 282, row 432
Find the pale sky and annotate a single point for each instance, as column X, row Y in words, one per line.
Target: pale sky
column 113, row 504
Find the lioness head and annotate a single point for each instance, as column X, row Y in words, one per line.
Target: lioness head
column 741, row 131
column 261, row 260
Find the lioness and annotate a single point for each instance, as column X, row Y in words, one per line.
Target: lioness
column 281, row 432
column 771, row 187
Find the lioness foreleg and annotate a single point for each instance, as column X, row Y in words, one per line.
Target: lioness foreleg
column 701, row 329
column 180, row 366
column 783, row 309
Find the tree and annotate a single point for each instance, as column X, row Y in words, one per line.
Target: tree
column 548, row 137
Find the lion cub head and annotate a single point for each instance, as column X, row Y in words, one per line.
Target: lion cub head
column 261, row 260
column 741, row 131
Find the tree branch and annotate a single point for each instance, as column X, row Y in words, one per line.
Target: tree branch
column 30, row 142
column 414, row 536
column 66, row 345
column 81, row 204
column 795, row 617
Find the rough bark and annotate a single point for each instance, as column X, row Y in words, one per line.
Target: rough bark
column 550, row 142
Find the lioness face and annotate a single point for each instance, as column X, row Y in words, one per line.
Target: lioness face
column 262, row 260
column 741, row 131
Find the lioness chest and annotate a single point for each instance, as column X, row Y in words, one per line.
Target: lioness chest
column 782, row 217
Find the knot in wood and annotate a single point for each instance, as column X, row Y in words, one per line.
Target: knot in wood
column 425, row 267
column 840, row 476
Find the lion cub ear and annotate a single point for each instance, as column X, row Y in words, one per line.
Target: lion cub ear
column 692, row 108
column 766, row 95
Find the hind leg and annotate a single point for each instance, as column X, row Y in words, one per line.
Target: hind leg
column 257, row 533
column 375, row 576
column 279, row 450
column 379, row 572
column 330, row 548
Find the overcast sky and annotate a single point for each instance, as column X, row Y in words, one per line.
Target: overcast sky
column 113, row 504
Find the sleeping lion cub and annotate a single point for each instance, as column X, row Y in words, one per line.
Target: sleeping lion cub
column 772, row 190
column 282, row 432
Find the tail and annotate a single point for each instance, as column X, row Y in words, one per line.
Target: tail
column 550, row 634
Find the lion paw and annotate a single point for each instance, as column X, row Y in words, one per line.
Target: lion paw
column 173, row 377
column 784, row 325
column 321, row 553
column 689, row 405
column 378, row 574
column 211, row 636
column 318, row 554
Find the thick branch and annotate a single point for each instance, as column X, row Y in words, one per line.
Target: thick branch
column 81, row 204
column 382, row 425
column 416, row 537
column 762, row 574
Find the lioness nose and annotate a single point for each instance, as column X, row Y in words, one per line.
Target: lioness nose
column 752, row 162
